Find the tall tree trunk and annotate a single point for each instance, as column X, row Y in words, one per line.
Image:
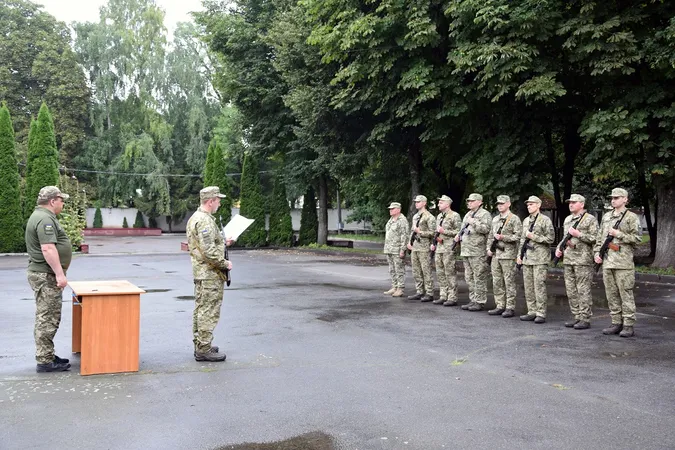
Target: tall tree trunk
column 645, row 198
column 322, row 237
column 555, row 176
column 415, row 160
column 665, row 231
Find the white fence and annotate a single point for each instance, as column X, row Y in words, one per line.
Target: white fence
column 114, row 218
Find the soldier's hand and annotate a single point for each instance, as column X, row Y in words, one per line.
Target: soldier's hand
column 489, row 253
column 229, row 241
column 529, row 235
column 457, row 238
column 440, row 230
column 574, row 232
column 229, row 265
column 417, row 230
column 432, row 248
column 558, row 253
column 499, row 237
column 61, row 281
column 409, row 247
column 519, row 261
column 597, row 259
column 402, row 254
column 613, row 232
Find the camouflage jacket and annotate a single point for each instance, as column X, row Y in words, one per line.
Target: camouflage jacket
column 507, row 248
column 580, row 252
column 207, row 247
column 396, row 236
column 539, row 247
column 629, row 236
column 427, row 229
column 451, row 224
column 475, row 236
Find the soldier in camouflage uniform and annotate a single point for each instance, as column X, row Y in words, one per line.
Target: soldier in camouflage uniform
column 618, row 268
column 578, row 261
column 478, row 223
column 395, row 240
column 423, row 228
column 539, row 230
column 209, row 270
column 448, row 224
column 49, row 255
column 506, row 231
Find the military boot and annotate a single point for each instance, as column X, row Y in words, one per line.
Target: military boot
column 427, row 298
column 438, row 301
column 539, row 319
column 214, row 349
column 582, row 325
column 627, row 331
column 528, row 317
column 415, row 297
column 468, row 305
column 450, row 303
column 571, row 323
column 390, row 291
column 615, row 328
column 61, row 360
column 508, row 313
column 397, row 293
column 476, row 307
column 496, row 311
column 52, row 367
column 212, row 357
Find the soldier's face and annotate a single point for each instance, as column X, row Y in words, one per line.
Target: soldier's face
column 575, row 207
column 57, row 204
column 394, row 211
column 503, row 207
column 215, row 204
column 420, row 205
column 443, row 205
column 619, row 202
column 473, row 204
column 533, row 208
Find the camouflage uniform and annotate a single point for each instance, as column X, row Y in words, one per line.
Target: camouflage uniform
column 446, row 271
column 503, row 269
column 473, row 251
column 578, row 265
column 535, row 263
column 207, row 251
column 395, row 240
column 420, row 255
column 44, row 228
column 618, row 268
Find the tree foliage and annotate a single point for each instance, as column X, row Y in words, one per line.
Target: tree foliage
column 309, row 221
column 43, row 157
column 11, row 217
column 281, row 226
column 252, row 204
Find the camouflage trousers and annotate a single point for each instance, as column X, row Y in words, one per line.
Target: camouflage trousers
column 447, row 275
column 475, row 274
column 619, row 284
column 48, row 299
column 396, row 271
column 504, row 283
column 534, row 279
column 208, row 300
column 421, row 268
column 578, row 286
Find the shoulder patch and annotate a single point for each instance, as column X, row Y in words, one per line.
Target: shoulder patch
column 49, row 228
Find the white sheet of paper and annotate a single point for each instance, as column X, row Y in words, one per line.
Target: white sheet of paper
column 236, row 226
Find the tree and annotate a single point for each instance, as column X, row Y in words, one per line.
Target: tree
column 221, row 179
column 125, row 224
column 43, row 157
column 73, row 216
column 11, row 218
column 252, row 204
column 208, row 167
column 38, row 65
column 309, row 221
column 139, row 222
column 98, row 218
column 281, row 226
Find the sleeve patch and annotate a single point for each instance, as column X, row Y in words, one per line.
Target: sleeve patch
column 49, row 228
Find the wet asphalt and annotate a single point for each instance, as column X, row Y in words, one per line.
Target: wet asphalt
column 319, row 359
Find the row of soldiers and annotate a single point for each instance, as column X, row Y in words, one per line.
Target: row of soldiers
column 511, row 244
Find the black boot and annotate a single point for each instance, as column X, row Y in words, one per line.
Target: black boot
column 52, row 367
column 212, row 357
column 415, row 297
column 627, row 331
column 468, row 305
column 496, row 311
column 582, row 325
column 508, row 313
column 615, row 328
column 571, row 323
column 528, row 317
column 427, row 298
column 476, row 307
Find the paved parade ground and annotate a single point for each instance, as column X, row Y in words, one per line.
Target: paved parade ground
column 316, row 353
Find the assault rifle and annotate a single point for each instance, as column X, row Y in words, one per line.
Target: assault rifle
column 435, row 240
column 608, row 241
column 524, row 248
column 462, row 231
column 493, row 247
column 568, row 236
column 413, row 236
column 222, row 232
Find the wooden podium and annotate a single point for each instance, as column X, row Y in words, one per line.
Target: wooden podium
column 106, row 325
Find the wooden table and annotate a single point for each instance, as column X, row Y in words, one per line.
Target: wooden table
column 106, row 325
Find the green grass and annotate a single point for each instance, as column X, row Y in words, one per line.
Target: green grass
column 358, row 237
column 655, row 270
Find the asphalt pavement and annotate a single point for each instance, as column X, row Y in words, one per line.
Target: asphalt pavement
column 319, row 359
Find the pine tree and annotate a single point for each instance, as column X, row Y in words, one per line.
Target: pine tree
column 252, row 204
column 43, row 158
column 11, row 220
column 98, row 218
column 281, row 226
column 139, row 222
column 208, row 167
column 125, row 224
column 309, row 220
column 219, row 178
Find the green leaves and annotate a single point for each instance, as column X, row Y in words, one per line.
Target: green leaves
column 11, row 219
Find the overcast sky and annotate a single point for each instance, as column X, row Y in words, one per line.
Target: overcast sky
column 87, row 10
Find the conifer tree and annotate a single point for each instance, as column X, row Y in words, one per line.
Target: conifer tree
column 309, row 220
column 252, row 204
column 281, row 225
column 139, row 222
column 43, row 158
column 11, row 220
column 219, row 178
column 98, row 218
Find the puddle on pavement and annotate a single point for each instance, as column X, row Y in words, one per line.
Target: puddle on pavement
column 309, row 441
column 151, row 291
column 185, row 297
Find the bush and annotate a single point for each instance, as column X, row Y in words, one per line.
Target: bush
column 252, row 204
column 309, row 220
column 281, row 225
column 139, row 222
column 98, row 218
column 124, row 223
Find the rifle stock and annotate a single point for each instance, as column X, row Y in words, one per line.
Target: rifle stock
column 523, row 249
column 608, row 240
column 568, row 236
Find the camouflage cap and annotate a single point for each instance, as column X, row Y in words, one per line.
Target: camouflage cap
column 533, row 199
column 50, row 192
column 475, row 196
column 619, row 192
column 420, row 198
column 445, row 198
column 394, row 205
column 576, row 198
column 210, row 192
column 503, row 199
